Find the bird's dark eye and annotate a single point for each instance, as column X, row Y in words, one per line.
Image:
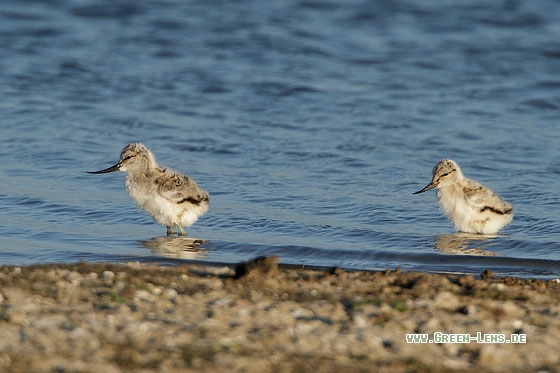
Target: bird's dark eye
column 447, row 173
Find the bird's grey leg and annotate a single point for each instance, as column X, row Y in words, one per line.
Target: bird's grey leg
column 180, row 231
column 170, row 231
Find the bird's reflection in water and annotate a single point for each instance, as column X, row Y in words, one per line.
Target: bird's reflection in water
column 465, row 244
column 177, row 247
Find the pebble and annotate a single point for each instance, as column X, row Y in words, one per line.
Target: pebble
column 108, row 275
column 447, row 301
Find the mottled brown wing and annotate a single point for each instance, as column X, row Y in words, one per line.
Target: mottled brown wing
column 484, row 199
column 180, row 189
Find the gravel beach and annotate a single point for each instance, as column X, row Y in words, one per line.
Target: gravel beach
column 261, row 317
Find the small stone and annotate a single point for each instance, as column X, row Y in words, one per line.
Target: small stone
column 487, row 274
column 446, row 300
column 499, row 286
column 360, row 322
column 155, row 290
column 108, row 274
column 121, row 275
column 92, row 276
column 256, row 268
column 170, row 293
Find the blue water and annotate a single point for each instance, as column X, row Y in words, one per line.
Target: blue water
column 309, row 122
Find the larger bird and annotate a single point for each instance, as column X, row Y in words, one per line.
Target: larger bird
column 471, row 206
column 171, row 199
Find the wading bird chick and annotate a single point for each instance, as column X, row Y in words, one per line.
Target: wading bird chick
column 472, row 207
column 171, row 199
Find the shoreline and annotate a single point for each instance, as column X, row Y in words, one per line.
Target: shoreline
column 261, row 316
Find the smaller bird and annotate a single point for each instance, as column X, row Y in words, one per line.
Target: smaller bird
column 171, row 199
column 472, row 207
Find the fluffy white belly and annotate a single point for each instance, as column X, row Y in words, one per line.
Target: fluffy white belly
column 164, row 211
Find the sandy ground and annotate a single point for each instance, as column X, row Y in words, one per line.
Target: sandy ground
column 262, row 318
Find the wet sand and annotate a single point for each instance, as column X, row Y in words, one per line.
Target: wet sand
column 259, row 317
